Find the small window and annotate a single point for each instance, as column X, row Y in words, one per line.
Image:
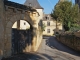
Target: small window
column 24, row 23
column 48, row 23
column 47, row 18
column 48, row 30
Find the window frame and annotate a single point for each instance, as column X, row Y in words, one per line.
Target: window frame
column 48, row 30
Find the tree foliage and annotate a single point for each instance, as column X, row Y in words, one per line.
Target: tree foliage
column 43, row 27
column 67, row 13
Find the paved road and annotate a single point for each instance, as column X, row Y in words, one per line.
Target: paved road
column 57, row 51
column 50, row 49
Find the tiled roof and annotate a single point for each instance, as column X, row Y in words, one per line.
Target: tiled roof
column 34, row 4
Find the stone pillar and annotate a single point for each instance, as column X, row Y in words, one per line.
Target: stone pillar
column 34, row 39
column 1, row 28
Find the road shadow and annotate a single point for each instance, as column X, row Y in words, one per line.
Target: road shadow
column 53, row 43
column 29, row 56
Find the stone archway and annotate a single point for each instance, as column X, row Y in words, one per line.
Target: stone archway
column 10, row 13
column 22, row 36
column 8, row 43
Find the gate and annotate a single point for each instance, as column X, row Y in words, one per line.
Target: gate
column 20, row 38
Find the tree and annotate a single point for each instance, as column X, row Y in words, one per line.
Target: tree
column 66, row 13
column 43, row 27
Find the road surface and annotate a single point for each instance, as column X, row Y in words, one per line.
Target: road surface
column 50, row 49
column 56, row 50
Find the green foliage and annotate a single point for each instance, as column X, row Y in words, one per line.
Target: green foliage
column 75, row 29
column 67, row 13
column 43, row 27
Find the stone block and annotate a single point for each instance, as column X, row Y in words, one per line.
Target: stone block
column 1, row 52
column 8, row 30
column 14, row 19
column 9, row 24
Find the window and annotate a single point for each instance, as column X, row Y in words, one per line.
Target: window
column 47, row 18
column 48, row 30
column 24, row 23
column 48, row 23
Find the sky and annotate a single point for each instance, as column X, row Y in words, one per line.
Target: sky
column 48, row 5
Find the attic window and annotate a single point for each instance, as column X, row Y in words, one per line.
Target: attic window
column 47, row 18
column 29, row 4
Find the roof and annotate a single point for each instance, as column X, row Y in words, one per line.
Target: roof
column 17, row 5
column 47, row 15
column 34, row 4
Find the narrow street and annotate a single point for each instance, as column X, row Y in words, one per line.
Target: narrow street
column 50, row 49
column 57, row 51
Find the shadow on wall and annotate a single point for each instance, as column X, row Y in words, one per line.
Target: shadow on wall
column 21, row 39
column 54, row 44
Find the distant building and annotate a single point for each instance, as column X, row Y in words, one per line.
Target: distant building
column 50, row 25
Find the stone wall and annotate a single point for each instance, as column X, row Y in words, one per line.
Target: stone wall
column 70, row 40
column 77, row 34
column 37, row 31
column 8, row 16
column 1, row 28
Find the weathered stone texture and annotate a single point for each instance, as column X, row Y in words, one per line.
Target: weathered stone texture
column 7, row 18
column 1, row 28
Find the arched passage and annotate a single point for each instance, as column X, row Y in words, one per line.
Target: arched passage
column 8, row 33
column 22, row 36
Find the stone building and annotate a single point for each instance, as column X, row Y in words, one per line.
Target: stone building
column 13, row 17
column 50, row 25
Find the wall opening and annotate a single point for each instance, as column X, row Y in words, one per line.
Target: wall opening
column 22, row 36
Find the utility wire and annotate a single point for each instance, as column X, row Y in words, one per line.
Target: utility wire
column 50, row 3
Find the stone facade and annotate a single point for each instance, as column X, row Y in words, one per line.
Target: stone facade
column 50, row 25
column 1, row 28
column 11, row 12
